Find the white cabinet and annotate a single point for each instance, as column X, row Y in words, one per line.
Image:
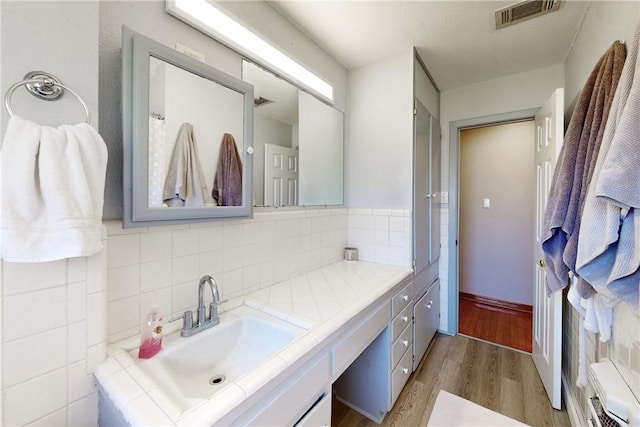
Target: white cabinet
column 373, row 382
column 295, row 399
column 426, row 317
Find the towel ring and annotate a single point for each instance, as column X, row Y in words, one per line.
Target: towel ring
column 44, row 86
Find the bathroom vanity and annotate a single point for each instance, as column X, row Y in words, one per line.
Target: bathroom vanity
column 347, row 313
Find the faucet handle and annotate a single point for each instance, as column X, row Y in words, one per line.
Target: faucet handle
column 187, row 322
column 187, row 319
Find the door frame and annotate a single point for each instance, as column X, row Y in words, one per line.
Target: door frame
column 454, row 190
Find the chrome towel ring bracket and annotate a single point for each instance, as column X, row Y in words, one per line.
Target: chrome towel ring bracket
column 44, row 86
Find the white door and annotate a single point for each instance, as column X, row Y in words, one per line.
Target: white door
column 280, row 176
column 547, row 311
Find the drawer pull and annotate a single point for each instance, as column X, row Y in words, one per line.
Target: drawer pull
column 405, row 370
column 405, row 343
column 405, row 318
column 405, row 297
column 429, row 305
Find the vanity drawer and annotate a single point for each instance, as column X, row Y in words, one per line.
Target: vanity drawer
column 401, row 345
column 400, row 322
column 400, row 376
column 320, row 414
column 400, row 300
column 356, row 340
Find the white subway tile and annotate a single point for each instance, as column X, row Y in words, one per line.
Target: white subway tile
column 122, row 314
column 232, row 259
column 211, row 238
column 251, row 254
column 232, row 235
column 123, row 282
column 185, row 268
column 232, row 284
column 123, row 250
column 156, row 245
column 184, row 296
column 77, row 302
column 76, row 269
column 35, row 355
column 81, row 384
column 97, row 272
column 28, row 277
column 186, row 242
column 31, row 400
column 251, row 233
column 96, row 354
column 154, row 275
column 57, row 419
column 33, row 312
column 84, row 412
column 96, row 318
column 250, row 277
column 211, row 263
column 76, row 341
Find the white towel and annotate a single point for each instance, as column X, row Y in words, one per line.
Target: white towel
column 53, row 191
column 608, row 255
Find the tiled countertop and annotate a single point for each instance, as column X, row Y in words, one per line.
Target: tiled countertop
column 325, row 301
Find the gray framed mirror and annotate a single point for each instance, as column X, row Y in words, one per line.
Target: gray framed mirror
column 299, row 144
column 187, row 137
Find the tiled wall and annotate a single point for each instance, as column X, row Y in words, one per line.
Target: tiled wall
column 382, row 235
column 242, row 255
column 623, row 349
column 53, row 337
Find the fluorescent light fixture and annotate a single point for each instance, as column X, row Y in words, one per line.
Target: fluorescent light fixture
column 207, row 18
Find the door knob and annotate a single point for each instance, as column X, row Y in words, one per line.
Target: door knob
column 542, row 263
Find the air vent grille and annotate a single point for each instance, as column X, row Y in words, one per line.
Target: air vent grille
column 524, row 10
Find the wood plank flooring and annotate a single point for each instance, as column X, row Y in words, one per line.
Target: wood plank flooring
column 497, row 378
column 500, row 326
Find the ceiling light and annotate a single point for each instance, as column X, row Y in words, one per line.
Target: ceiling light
column 205, row 17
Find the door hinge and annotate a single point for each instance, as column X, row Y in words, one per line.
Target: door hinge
column 415, row 112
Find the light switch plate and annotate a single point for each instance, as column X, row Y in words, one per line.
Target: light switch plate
column 486, row 203
column 444, row 197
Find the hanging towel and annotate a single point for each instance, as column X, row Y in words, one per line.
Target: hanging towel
column 575, row 167
column 185, row 184
column 609, row 246
column 227, row 184
column 53, row 191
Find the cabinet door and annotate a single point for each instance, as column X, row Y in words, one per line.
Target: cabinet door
column 435, row 191
column 426, row 321
column 421, row 187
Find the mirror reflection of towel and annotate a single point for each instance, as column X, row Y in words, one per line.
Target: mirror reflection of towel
column 185, row 184
column 227, row 184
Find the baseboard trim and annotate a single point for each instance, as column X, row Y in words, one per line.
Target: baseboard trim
column 497, row 303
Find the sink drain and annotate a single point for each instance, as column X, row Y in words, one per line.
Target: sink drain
column 216, row 379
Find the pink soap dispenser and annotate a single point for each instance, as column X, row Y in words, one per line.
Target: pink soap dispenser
column 151, row 338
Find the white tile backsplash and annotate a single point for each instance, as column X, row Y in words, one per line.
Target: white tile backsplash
column 381, row 235
column 35, row 399
column 34, row 312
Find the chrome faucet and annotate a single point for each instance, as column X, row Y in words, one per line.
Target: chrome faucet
column 202, row 320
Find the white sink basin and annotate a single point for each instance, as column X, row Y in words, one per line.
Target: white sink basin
column 194, row 368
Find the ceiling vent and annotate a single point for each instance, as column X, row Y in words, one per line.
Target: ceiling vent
column 524, row 10
column 259, row 102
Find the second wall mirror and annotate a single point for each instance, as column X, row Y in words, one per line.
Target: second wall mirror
column 299, row 144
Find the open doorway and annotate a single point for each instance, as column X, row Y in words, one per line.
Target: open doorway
column 496, row 205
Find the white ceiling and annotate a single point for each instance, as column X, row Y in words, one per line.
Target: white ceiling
column 457, row 40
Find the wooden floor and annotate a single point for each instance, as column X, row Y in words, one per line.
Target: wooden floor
column 503, row 380
column 496, row 325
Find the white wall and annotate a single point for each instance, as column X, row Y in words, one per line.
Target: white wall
column 380, row 134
